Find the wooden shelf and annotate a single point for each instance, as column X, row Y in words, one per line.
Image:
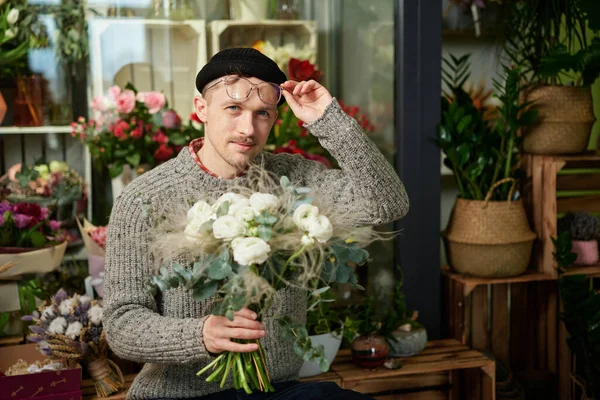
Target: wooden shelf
column 27, row 130
column 471, row 282
column 590, row 270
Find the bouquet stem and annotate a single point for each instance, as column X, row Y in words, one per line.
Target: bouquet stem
column 248, row 369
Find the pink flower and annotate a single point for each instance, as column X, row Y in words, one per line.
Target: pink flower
column 44, row 213
column 99, row 103
column 114, row 92
column 126, row 101
column 21, row 220
column 54, row 225
column 155, row 101
column 99, row 235
column 171, row 120
column 13, row 171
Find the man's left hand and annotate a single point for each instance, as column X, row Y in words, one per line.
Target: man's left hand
column 307, row 99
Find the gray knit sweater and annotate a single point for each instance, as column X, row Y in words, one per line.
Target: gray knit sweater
column 165, row 332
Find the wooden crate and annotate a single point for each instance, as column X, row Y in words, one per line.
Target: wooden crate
column 225, row 34
column 553, row 186
column 516, row 319
column 158, row 54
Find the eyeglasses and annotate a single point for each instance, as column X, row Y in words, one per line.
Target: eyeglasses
column 239, row 88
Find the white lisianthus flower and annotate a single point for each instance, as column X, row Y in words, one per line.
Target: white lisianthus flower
column 263, row 201
column 47, row 313
column 200, row 212
column 58, row 326
column 320, row 228
column 66, row 306
column 250, row 250
column 307, row 240
column 13, row 16
column 228, row 228
column 74, row 330
column 58, row 166
column 192, row 231
column 303, row 213
column 245, row 213
column 10, row 33
column 95, row 315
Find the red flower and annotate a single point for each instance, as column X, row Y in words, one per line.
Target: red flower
column 194, row 117
column 163, row 153
column 160, row 137
column 29, row 209
column 137, row 133
column 171, row 120
column 303, row 71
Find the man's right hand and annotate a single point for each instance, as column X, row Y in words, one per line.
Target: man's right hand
column 218, row 332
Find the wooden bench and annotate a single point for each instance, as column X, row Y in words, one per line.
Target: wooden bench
column 433, row 374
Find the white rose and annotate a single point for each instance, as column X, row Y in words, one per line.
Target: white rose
column 66, row 306
column 319, row 228
column 245, row 213
column 95, row 315
column 13, row 16
column 200, row 212
column 263, row 201
column 250, row 250
column 74, row 330
column 228, row 228
column 303, row 213
column 58, row 166
column 47, row 313
column 10, row 33
column 307, row 240
column 58, row 326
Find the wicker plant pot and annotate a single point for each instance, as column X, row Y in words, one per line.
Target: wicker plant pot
column 565, row 119
column 490, row 239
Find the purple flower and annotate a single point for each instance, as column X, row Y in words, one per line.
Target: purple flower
column 54, row 225
column 4, row 207
column 37, row 329
column 44, row 213
column 27, row 318
column 21, row 220
column 60, row 296
column 34, row 339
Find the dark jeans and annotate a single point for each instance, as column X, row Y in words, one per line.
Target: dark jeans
column 293, row 391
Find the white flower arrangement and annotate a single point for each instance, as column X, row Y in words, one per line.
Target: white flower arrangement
column 249, row 243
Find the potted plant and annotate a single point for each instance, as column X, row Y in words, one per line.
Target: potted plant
column 325, row 327
column 557, row 42
column 584, row 230
column 408, row 336
column 581, row 315
column 488, row 233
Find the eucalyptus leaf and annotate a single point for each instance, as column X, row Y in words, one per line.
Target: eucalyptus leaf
column 223, row 209
column 265, row 232
column 205, row 291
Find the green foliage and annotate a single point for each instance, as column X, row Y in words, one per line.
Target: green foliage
column 298, row 335
column 549, row 39
column 581, row 315
column 481, row 153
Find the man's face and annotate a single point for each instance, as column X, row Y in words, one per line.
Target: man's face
column 235, row 131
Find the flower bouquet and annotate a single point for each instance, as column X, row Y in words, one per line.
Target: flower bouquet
column 53, row 185
column 250, row 243
column 29, row 241
column 135, row 129
column 94, row 238
column 70, row 328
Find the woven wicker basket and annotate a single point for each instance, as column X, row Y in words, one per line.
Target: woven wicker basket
column 489, row 239
column 565, row 119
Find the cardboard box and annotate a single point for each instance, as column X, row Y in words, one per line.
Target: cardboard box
column 54, row 385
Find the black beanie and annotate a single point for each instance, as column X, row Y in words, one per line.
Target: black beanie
column 244, row 61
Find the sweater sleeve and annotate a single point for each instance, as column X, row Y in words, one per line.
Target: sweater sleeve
column 134, row 328
column 366, row 182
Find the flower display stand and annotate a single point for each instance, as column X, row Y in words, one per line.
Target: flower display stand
column 224, row 34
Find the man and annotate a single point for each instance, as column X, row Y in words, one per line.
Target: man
column 174, row 335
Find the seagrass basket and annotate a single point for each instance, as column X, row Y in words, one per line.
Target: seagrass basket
column 490, row 239
column 565, row 120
